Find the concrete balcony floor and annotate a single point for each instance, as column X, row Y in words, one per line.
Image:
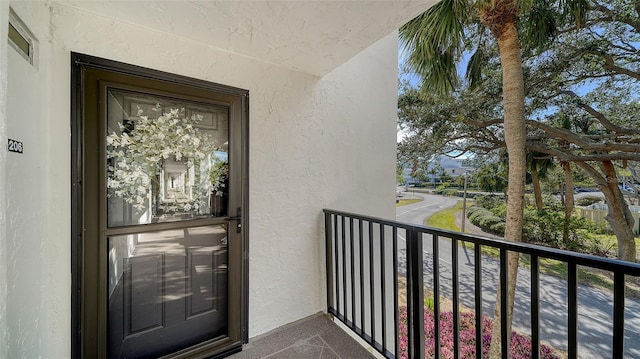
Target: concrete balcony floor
column 314, row 337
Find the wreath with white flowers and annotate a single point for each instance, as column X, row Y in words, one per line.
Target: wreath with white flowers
column 137, row 156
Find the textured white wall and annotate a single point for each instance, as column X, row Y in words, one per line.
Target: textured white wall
column 4, row 331
column 27, row 189
column 315, row 143
column 335, row 150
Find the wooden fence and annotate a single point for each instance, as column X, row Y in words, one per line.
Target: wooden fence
column 598, row 215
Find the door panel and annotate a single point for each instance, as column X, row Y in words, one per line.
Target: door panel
column 207, row 281
column 170, row 290
column 142, row 284
column 160, row 163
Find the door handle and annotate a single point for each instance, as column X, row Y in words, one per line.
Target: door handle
column 237, row 218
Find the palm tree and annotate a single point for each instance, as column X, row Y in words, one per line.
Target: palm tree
column 539, row 165
column 567, row 198
column 492, row 177
column 435, row 42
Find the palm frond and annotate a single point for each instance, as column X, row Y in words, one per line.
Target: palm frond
column 526, row 5
column 539, row 25
column 575, row 11
column 434, row 41
column 477, row 62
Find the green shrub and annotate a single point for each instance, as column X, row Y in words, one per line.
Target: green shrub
column 543, row 227
column 489, row 220
column 603, row 228
column 597, row 247
column 443, row 186
column 451, row 192
column 546, row 228
column 474, row 211
column 486, row 220
column 489, row 201
column 429, row 303
column 498, row 228
column 500, row 210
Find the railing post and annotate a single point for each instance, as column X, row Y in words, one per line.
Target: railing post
column 572, row 294
column 478, row 297
column 618, row 314
column 395, row 293
column 435, row 243
column 504, row 319
column 328, row 230
column 416, row 295
column 456, row 297
column 535, row 308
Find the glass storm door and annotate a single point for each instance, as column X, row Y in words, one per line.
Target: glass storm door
column 162, row 192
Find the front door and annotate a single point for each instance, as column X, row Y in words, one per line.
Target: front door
column 160, row 194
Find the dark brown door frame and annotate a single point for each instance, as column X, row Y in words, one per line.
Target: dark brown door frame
column 83, row 336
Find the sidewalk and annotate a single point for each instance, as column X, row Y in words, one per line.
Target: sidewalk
column 470, row 228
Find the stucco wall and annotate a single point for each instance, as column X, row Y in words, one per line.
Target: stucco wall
column 28, row 190
column 336, row 151
column 4, row 331
column 315, row 143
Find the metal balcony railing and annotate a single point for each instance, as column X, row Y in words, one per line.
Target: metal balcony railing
column 366, row 256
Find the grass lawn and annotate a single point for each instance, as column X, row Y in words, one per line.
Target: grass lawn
column 404, row 202
column 445, row 219
column 609, row 240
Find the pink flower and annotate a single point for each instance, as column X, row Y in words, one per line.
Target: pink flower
column 520, row 345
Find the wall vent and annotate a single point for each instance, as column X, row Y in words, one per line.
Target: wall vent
column 21, row 39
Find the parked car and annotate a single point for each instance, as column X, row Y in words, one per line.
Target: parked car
column 585, row 189
column 626, row 188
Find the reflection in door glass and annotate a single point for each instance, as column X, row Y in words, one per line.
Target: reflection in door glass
column 167, row 290
column 166, row 160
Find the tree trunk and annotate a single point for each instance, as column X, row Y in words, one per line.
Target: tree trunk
column 515, row 136
column 568, row 199
column 619, row 216
column 537, row 192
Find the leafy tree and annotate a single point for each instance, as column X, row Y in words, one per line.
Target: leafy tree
column 492, row 177
column 581, row 105
column 421, row 176
column 445, row 177
column 435, row 42
column 433, row 169
column 399, row 173
column 589, row 79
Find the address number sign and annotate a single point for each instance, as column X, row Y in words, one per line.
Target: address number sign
column 15, row 146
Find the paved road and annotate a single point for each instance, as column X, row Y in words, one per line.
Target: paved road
column 595, row 306
column 418, row 212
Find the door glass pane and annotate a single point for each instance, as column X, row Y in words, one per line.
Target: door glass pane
column 167, row 290
column 167, row 159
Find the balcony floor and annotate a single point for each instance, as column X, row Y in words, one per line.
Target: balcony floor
column 314, row 337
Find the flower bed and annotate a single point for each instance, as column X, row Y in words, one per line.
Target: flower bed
column 520, row 345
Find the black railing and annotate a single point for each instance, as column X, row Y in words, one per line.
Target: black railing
column 366, row 256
